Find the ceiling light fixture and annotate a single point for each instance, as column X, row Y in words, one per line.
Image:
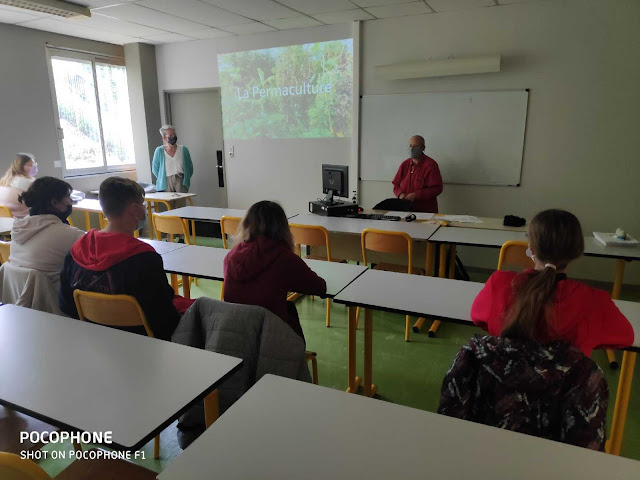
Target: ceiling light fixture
column 52, row 7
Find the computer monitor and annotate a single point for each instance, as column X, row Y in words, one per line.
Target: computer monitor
column 335, row 181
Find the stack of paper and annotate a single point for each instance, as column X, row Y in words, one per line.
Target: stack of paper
column 610, row 239
column 419, row 215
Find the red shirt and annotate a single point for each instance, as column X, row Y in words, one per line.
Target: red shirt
column 425, row 181
column 262, row 272
column 584, row 316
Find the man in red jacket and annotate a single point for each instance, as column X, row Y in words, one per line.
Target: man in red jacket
column 418, row 179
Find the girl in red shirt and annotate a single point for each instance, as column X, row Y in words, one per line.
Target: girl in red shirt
column 262, row 268
column 542, row 302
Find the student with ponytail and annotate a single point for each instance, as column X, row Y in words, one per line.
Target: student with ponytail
column 542, row 302
column 531, row 374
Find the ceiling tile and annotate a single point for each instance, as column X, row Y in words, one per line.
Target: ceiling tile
column 151, row 18
column 16, row 15
column 69, row 27
column 377, row 3
column 399, row 10
column 255, row 9
column 210, row 33
column 294, row 22
column 248, row 28
column 344, row 17
column 447, row 5
column 169, row 38
column 319, row 6
column 196, row 11
column 115, row 25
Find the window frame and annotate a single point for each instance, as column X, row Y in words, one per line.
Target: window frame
column 94, row 58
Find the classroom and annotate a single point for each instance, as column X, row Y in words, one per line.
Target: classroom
column 319, row 239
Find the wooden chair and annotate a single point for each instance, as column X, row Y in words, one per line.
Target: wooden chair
column 12, row 467
column 314, row 236
column 5, row 212
column 313, row 358
column 172, row 225
column 5, row 248
column 228, row 226
column 390, row 242
column 513, row 256
column 113, row 311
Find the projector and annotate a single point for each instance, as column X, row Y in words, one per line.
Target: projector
column 336, row 209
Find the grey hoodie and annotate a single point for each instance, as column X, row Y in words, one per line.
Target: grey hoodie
column 41, row 242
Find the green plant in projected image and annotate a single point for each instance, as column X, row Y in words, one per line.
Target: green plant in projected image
column 301, row 91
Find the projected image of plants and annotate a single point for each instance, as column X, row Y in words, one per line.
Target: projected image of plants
column 300, row 91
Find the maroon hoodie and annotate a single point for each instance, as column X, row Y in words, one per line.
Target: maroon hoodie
column 262, row 271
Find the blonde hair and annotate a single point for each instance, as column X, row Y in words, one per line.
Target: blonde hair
column 265, row 219
column 16, row 169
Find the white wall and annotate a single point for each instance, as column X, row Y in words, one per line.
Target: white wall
column 27, row 123
column 285, row 170
column 580, row 60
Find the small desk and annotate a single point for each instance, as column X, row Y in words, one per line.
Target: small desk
column 90, row 205
column 6, row 224
column 81, row 376
column 205, row 214
column 282, row 429
column 207, row 262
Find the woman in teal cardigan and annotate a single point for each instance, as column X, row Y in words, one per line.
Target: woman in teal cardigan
column 172, row 163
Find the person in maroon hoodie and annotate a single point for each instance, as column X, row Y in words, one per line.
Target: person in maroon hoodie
column 544, row 301
column 262, row 267
column 113, row 261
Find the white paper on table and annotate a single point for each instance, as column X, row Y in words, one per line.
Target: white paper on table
column 461, row 218
column 419, row 215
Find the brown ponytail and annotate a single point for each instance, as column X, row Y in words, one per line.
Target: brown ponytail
column 555, row 237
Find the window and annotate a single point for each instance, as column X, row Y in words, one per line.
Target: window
column 91, row 103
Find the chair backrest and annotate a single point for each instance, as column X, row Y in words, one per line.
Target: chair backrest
column 5, row 211
column 110, row 310
column 387, row 242
column 171, row 225
column 312, row 235
column 5, row 248
column 513, row 256
column 12, row 467
column 228, row 226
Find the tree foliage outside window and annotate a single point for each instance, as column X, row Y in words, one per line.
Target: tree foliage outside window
column 93, row 111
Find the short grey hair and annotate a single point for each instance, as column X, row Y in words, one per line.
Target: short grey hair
column 164, row 128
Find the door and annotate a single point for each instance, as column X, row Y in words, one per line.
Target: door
column 197, row 117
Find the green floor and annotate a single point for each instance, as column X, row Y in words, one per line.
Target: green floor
column 406, row 373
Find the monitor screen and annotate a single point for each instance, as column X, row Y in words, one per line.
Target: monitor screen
column 336, row 179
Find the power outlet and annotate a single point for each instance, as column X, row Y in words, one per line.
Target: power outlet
column 232, row 152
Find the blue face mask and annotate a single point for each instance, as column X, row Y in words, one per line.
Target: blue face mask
column 142, row 223
column 529, row 254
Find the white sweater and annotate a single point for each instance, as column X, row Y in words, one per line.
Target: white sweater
column 41, row 242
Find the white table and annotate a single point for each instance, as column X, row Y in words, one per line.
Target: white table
column 209, row 214
column 417, row 230
column 207, row 262
column 163, row 247
column 82, row 376
column 282, row 429
column 6, row 224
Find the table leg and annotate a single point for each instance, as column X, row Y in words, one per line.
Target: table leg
column 174, row 283
column 211, row 408
column 429, row 265
column 87, row 221
column 622, row 403
column 618, row 279
column 442, row 271
column 150, row 220
column 369, row 388
column 452, row 261
column 193, row 231
column 186, row 287
column 353, row 380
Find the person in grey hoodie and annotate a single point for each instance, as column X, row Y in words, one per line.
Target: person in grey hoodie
column 42, row 239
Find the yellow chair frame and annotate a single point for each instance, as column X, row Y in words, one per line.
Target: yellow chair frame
column 388, row 242
column 170, row 225
column 5, row 211
column 513, row 252
column 18, row 468
column 5, row 250
column 228, row 226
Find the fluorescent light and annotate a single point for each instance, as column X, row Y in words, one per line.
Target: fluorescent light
column 52, row 7
column 439, row 68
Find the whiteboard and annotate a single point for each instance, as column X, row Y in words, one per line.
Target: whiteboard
column 475, row 137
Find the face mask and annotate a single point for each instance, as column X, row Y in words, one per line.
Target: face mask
column 529, row 254
column 172, row 140
column 33, row 171
column 142, row 223
column 64, row 215
column 416, row 152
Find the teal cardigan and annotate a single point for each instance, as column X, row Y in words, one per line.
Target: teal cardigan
column 157, row 167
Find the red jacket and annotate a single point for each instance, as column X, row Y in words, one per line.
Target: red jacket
column 262, row 271
column 584, row 316
column 425, row 182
